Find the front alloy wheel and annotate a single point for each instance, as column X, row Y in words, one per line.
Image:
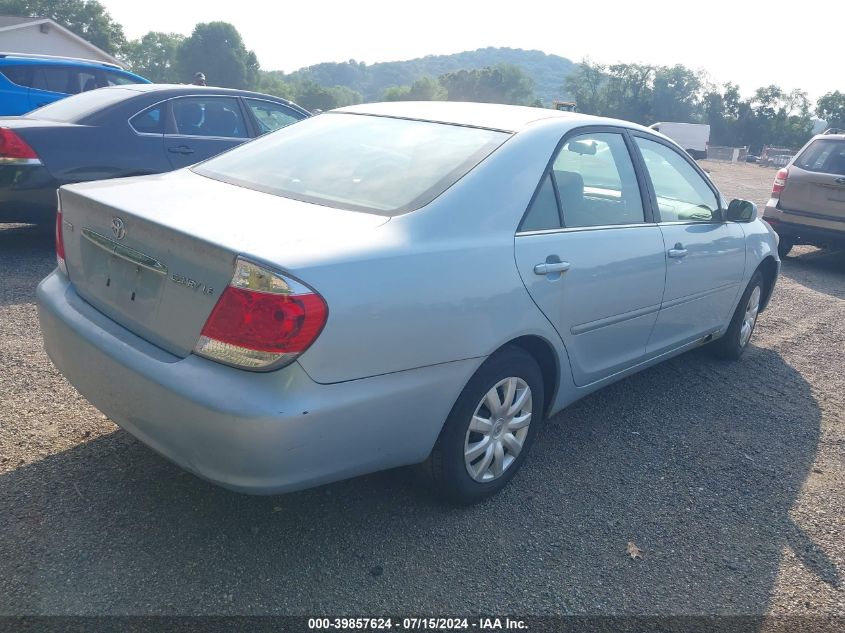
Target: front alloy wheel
column 736, row 338
column 752, row 309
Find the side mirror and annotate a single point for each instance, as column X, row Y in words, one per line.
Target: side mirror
column 741, row 211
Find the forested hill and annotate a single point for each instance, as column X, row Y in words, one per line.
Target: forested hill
column 547, row 71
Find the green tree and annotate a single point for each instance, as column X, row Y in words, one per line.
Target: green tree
column 586, row 86
column 271, row 83
column 314, row 97
column 87, row 18
column 425, row 89
column 504, row 83
column 831, row 108
column 629, row 92
column 154, row 56
column 396, row 93
column 676, row 94
column 217, row 49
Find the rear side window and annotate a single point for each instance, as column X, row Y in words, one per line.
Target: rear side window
column 365, row 163
column 823, row 156
column 543, row 213
column 56, row 79
column 218, row 117
column 596, row 182
column 150, row 121
column 20, row 75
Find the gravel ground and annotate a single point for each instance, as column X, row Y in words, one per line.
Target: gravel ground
column 729, row 477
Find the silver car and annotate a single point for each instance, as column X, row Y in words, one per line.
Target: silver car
column 394, row 284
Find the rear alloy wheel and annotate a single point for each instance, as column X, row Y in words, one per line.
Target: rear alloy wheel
column 498, row 429
column 491, row 426
column 736, row 339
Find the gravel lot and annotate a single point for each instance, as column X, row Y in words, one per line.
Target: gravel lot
column 729, row 476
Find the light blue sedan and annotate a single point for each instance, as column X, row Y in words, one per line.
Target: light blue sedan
column 394, row 284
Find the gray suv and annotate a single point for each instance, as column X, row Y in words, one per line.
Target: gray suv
column 807, row 205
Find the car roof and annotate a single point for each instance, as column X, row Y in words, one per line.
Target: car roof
column 829, row 136
column 166, row 91
column 494, row 116
column 21, row 59
column 176, row 89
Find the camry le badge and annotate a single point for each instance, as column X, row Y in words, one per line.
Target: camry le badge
column 118, row 227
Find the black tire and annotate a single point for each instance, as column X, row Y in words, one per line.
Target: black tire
column 785, row 245
column 731, row 346
column 446, row 469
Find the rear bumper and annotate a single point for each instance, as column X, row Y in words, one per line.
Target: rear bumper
column 790, row 225
column 27, row 194
column 250, row 432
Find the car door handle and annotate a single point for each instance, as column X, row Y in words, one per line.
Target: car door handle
column 547, row 268
column 182, row 149
column 678, row 251
column 840, row 181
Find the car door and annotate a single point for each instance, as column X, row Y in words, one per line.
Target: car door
column 590, row 255
column 201, row 127
column 705, row 255
column 148, row 155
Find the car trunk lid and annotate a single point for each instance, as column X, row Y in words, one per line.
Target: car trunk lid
column 155, row 253
column 814, row 193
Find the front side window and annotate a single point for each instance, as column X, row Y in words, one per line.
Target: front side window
column 374, row 164
column 218, row 117
column 596, row 181
column 824, row 156
column 682, row 194
column 86, row 81
column 116, row 79
column 272, row 116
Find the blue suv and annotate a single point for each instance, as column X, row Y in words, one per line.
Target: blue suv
column 31, row 81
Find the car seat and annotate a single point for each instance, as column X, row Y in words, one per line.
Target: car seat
column 570, row 186
column 189, row 118
column 220, row 122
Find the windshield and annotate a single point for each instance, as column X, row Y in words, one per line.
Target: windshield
column 365, row 163
column 73, row 109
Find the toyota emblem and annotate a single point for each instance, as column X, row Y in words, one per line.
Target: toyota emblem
column 118, row 227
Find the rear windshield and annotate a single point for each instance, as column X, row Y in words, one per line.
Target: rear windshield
column 825, row 156
column 362, row 163
column 77, row 107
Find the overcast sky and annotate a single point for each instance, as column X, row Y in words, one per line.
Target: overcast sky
column 750, row 42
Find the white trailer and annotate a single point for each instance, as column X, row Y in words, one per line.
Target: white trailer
column 693, row 137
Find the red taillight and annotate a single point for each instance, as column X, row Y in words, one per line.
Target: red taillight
column 263, row 319
column 13, row 149
column 780, row 182
column 60, row 242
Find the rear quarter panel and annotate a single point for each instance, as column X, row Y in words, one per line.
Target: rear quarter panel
column 436, row 285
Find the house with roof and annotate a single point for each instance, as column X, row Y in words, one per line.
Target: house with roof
column 43, row 36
